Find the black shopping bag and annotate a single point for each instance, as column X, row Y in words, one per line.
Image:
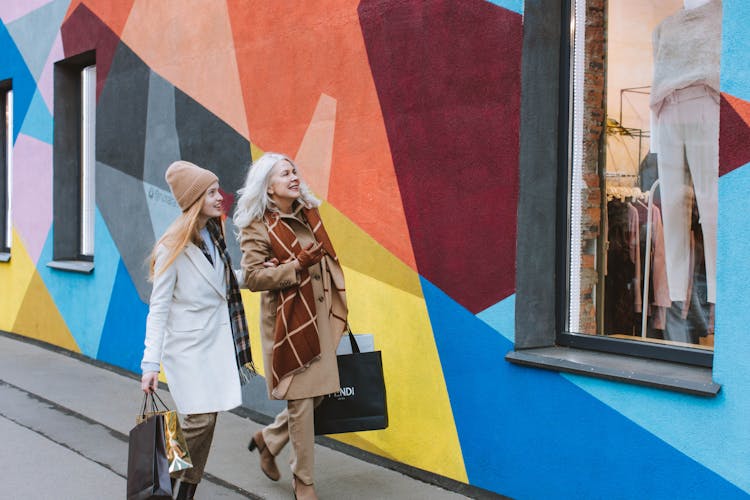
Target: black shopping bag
column 361, row 403
column 148, row 469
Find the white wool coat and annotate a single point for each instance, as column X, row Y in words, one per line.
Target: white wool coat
column 188, row 331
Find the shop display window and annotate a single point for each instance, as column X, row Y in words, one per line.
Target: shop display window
column 643, row 171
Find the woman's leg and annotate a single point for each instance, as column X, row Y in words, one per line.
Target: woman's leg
column 269, row 441
column 198, row 430
column 302, row 436
column 276, row 434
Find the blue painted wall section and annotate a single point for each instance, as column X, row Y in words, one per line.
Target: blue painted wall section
column 542, row 436
column 125, row 327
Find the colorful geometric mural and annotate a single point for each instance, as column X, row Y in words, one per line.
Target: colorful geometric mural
column 404, row 118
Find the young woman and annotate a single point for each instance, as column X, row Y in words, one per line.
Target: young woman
column 196, row 324
column 303, row 307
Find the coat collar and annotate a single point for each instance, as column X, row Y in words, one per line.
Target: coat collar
column 213, row 274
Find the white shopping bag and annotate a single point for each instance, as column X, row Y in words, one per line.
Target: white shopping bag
column 365, row 341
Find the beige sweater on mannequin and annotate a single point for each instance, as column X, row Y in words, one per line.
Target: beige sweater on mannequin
column 687, row 51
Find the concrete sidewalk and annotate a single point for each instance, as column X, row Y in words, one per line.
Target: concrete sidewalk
column 64, row 423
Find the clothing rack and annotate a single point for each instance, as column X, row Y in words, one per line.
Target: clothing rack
column 623, row 192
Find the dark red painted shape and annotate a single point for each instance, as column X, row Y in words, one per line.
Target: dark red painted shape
column 448, row 79
column 84, row 31
column 228, row 203
column 734, row 139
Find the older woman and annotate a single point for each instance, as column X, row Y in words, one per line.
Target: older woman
column 287, row 255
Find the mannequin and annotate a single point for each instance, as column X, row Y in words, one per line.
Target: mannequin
column 685, row 135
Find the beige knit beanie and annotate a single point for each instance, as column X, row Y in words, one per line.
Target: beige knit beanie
column 188, row 182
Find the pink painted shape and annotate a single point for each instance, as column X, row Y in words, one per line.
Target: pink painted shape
column 45, row 83
column 32, row 192
column 15, row 9
column 316, row 151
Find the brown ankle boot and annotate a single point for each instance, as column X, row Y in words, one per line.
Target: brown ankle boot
column 267, row 460
column 303, row 491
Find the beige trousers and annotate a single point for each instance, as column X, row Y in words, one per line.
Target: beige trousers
column 688, row 150
column 296, row 424
column 198, row 429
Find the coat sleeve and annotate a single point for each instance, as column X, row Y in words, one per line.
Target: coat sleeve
column 256, row 249
column 159, row 306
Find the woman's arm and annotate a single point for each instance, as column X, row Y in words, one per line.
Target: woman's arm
column 256, row 250
column 159, row 306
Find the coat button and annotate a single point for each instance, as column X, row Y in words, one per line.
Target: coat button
column 320, row 299
column 316, row 276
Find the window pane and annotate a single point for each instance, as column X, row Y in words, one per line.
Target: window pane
column 644, row 169
column 88, row 158
column 8, row 168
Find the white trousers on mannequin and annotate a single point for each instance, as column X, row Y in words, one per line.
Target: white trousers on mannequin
column 688, row 148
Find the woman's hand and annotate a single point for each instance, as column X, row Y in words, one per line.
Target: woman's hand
column 149, row 382
column 274, row 262
column 310, row 255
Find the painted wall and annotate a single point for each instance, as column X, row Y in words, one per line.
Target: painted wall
column 404, row 118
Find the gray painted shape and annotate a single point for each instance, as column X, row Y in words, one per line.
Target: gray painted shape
column 122, row 203
column 209, row 142
column 161, row 206
column 162, row 142
column 35, row 33
column 536, row 279
column 255, row 394
column 121, row 114
column 233, row 246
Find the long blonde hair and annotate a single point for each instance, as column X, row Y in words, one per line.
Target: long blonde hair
column 183, row 230
column 253, row 196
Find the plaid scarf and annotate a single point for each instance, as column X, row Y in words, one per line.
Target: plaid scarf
column 240, row 333
column 296, row 342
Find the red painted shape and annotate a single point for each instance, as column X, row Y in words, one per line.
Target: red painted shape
column 228, row 203
column 113, row 14
column 448, row 78
column 734, row 133
column 84, row 31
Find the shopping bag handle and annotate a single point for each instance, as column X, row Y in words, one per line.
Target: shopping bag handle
column 352, row 340
column 153, row 397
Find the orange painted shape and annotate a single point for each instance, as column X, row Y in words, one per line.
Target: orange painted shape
column 741, row 106
column 113, row 14
column 316, row 151
column 189, row 43
column 40, row 319
column 287, row 58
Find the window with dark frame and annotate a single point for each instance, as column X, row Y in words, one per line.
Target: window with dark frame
column 581, row 119
column 644, row 175
column 74, row 161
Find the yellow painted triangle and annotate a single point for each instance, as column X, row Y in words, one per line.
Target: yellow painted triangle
column 421, row 431
column 40, row 319
column 15, row 276
column 358, row 250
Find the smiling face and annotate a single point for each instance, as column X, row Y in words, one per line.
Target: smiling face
column 284, row 185
column 212, row 203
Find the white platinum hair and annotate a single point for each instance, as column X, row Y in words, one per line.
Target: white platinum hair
column 253, row 197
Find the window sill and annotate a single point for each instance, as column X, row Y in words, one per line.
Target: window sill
column 4, row 256
column 666, row 375
column 76, row 266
